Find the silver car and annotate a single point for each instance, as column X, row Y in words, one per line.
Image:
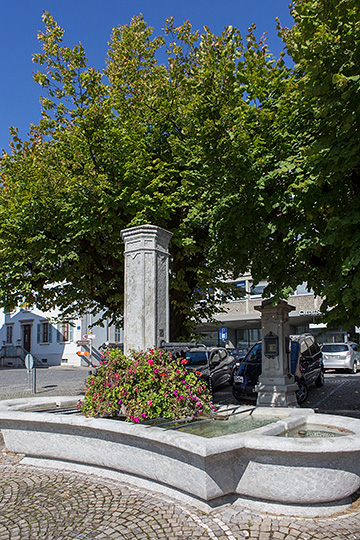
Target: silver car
column 340, row 356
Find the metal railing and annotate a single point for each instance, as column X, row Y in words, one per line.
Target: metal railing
column 16, row 354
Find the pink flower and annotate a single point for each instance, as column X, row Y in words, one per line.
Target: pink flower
column 150, row 402
column 183, row 361
column 150, row 362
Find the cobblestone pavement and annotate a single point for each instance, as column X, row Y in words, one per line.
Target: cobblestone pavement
column 38, row 503
column 49, row 504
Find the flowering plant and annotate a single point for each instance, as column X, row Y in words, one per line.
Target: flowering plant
column 143, row 386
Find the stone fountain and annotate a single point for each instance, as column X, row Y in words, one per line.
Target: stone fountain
column 261, row 467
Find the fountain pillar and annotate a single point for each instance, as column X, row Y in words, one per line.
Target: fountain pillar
column 146, row 292
column 276, row 387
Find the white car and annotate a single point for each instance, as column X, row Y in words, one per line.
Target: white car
column 340, row 356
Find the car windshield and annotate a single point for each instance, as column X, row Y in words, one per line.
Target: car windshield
column 196, row 358
column 335, row 347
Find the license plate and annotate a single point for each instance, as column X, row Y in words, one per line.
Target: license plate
column 238, row 379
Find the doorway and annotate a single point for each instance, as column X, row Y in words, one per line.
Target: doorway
column 27, row 337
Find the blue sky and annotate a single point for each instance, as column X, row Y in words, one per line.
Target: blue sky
column 91, row 22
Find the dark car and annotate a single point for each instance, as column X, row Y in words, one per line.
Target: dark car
column 306, row 365
column 214, row 364
column 239, row 355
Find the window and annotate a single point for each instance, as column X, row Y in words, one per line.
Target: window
column 64, row 332
column 335, row 348
column 117, row 334
column 241, row 285
column 257, row 290
column 44, row 332
column 254, row 356
column 9, row 334
column 196, row 358
column 302, row 289
column 304, row 348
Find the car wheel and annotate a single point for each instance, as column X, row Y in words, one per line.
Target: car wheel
column 321, row 379
column 302, row 392
column 354, row 368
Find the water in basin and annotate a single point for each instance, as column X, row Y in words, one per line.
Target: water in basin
column 236, row 423
column 314, row 430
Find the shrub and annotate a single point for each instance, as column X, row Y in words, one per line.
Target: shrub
column 143, row 386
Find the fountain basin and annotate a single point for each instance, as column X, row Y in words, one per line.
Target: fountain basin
column 253, row 465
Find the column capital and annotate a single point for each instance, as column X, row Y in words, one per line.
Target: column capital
column 145, row 237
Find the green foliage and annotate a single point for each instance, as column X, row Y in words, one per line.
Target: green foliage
column 144, row 386
column 300, row 213
column 325, row 189
column 246, row 161
column 141, row 143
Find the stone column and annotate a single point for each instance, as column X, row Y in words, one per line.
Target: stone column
column 146, row 293
column 276, row 387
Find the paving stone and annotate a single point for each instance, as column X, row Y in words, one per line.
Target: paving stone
column 46, row 504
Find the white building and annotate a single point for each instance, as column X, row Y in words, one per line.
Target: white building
column 32, row 331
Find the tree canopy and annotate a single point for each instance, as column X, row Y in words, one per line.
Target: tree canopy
column 140, row 143
column 247, row 161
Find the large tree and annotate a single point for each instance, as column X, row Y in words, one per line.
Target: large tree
column 304, row 216
column 246, row 161
column 143, row 142
column 325, row 45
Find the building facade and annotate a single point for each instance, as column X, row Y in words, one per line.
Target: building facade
column 238, row 325
column 50, row 343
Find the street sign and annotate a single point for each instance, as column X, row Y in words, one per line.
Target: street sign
column 82, row 353
column 29, row 361
column 89, row 336
column 83, row 342
column 223, row 333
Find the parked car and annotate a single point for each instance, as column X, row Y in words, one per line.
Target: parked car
column 341, row 356
column 239, row 355
column 214, row 364
column 306, row 365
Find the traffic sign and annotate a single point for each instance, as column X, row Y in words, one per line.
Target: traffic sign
column 89, row 336
column 29, row 361
column 223, row 333
column 83, row 342
column 83, row 353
